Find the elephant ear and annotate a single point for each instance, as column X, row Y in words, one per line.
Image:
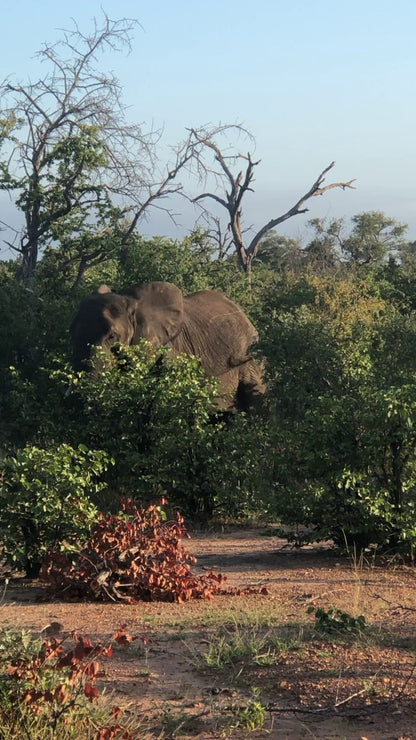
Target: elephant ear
column 103, row 289
column 160, row 305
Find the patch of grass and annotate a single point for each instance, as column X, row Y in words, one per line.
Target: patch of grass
column 176, row 636
column 379, row 637
column 210, row 615
column 142, row 673
column 180, row 631
column 404, row 642
column 259, row 613
column 296, row 537
column 19, row 722
column 249, row 717
column 247, row 644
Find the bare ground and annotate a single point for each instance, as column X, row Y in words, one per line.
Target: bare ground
column 330, row 686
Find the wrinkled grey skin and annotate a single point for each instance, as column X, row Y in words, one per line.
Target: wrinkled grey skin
column 205, row 324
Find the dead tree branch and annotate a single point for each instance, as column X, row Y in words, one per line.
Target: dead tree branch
column 236, row 187
column 317, row 189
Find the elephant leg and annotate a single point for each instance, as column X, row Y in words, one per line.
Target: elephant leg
column 251, row 387
column 227, row 387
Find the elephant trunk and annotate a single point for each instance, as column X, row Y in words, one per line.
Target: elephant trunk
column 93, row 359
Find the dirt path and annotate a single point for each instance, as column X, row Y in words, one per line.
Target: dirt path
column 315, row 686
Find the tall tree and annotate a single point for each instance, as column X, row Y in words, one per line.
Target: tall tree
column 323, row 251
column 69, row 149
column 280, row 252
column 373, row 238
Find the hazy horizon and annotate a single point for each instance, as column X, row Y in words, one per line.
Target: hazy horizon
column 313, row 83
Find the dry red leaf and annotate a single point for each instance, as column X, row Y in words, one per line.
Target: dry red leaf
column 137, row 556
column 91, row 692
column 69, row 671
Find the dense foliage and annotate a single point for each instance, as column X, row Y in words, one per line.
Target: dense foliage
column 343, row 364
column 156, row 417
column 45, row 500
column 335, row 448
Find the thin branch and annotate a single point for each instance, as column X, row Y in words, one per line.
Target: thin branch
column 297, row 209
column 396, row 605
column 219, row 200
column 236, row 186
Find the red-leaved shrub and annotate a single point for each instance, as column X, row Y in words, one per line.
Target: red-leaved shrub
column 132, row 556
column 49, row 685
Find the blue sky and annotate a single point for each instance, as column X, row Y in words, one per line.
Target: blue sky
column 313, row 81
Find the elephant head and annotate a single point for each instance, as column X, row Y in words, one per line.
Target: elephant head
column 103, row 320
column 153, row 311
column 158, row 313
column 205, row 324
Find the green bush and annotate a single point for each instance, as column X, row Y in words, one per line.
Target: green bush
column 25, row 418
column 156, row 415
column 45, row 501
column 343, row 373
column 337, row 621
column 33, row 332
column 16, row 646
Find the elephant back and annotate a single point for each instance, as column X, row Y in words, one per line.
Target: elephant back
column 217, row 330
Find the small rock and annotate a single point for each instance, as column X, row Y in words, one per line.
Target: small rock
column 52, row 629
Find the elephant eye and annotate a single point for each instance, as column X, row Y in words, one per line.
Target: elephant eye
column 113, row 336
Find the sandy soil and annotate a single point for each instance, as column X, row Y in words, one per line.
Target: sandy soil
column 333, row 687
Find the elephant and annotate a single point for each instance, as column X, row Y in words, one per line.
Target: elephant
column 205, row 324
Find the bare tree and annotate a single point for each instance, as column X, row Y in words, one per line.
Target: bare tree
column 75, row 167
column 236, row 186
column 221, row 237
column 150, row 195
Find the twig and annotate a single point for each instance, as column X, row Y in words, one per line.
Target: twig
column 406, row 683
column 191, row 716
column 397, row 605
column 300, row 710
column 355, row 711
column 349, row 698
column 6, row 583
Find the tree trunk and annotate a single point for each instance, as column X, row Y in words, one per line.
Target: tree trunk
column 397, row 492
column 26, row 272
